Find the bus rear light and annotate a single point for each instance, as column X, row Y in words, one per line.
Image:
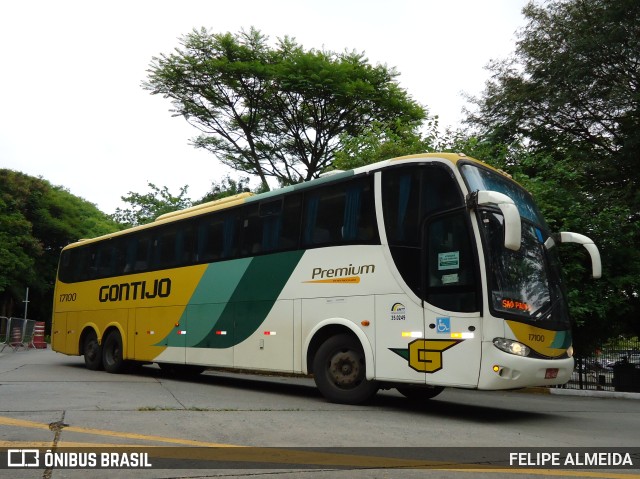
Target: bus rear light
column 269, row 333
column 221, row 333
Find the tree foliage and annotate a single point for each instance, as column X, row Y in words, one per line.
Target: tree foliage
column 383, row 141
column 227, row 187
column 36, row 221
column 281, row 111
column 567, row 107
column 145, row 208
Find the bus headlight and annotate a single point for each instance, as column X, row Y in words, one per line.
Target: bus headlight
column 512, row 347
column 570, row 351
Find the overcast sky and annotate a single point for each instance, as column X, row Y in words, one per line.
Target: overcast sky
column 73, row 112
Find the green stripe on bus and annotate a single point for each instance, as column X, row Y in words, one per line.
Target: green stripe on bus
column 232, row 300
column 562, row 340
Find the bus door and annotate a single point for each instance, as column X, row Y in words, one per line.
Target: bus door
column 450, row 352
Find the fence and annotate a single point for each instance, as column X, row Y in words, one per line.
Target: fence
column 615, row 367
column 19, row 333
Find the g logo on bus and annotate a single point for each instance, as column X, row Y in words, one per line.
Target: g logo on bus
column 425, row 355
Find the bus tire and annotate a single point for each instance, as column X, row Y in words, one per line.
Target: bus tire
column 112, row 355
column 422, row 393
column 340, row 372
column 92, row 351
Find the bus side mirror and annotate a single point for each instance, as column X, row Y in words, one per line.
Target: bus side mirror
column 596, row 263
column 512, row 226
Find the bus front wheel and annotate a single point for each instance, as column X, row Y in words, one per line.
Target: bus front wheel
column 112, row 357
column 340, row 372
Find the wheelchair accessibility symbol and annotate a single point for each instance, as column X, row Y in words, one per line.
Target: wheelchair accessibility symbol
column 443, row 325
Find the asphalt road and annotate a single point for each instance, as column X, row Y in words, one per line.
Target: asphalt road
column 48, row 400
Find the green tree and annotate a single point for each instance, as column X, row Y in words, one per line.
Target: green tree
column 227, row 187
column 280, row 111
column 568, row 99
column 36, row 221
column 145, row 208
column 572, row 88
column 384, row 141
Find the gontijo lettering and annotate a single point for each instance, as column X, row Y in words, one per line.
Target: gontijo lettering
column 135, row 290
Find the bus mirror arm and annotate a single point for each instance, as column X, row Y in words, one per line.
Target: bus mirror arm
column 512, row 226
column 596, row 263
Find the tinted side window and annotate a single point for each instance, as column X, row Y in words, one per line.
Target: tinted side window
column 290, row 232
column 280, row 221
column 337, row 214
column 250, row 231
column 216, row 238
column 409, row 194
column 173, row 246
column 141, row 249
column 401, row 205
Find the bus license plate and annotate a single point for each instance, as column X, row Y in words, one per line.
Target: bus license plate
column 551, row 373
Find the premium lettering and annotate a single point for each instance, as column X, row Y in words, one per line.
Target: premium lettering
column 160, row 288
column 319, row 273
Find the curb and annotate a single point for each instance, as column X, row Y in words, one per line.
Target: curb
column 597, row 394
column 579, row 392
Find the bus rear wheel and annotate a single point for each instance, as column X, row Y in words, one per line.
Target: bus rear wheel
column 112, row 355
column 92, row 351
column 340, row 372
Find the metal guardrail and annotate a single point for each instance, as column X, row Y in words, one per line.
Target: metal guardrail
column 18, row 333
column 608, row 369
column 4, row 328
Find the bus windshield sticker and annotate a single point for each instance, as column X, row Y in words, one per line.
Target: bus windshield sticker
column 450, row 278
column 450, row 260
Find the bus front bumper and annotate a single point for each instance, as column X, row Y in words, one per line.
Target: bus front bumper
column 500, row 370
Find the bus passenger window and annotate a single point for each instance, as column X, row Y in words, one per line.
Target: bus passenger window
column 185, row 245
column 323, row 216
column 216, row 238
column 342, row 213
column 251, row 231
column 290, row 229
column 401, row 203
column 142, row 254
column 164, row 251
column 271, row 218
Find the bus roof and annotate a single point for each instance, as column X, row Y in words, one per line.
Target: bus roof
column 248, row 197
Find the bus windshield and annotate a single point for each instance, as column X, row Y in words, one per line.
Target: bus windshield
column 524, row 284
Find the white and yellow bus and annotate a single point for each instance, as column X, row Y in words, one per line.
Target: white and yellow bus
column 416, row 273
